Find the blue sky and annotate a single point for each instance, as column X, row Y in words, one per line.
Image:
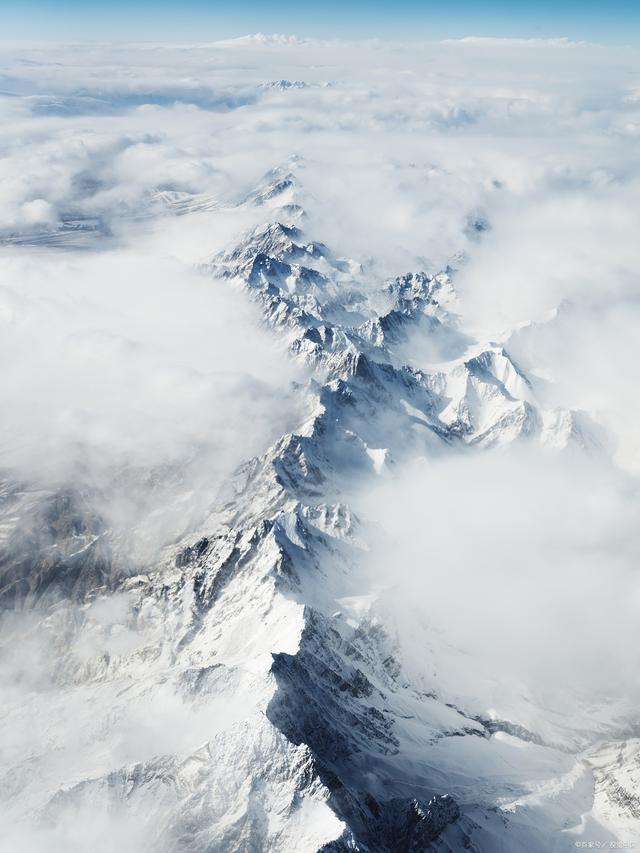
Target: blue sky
column 595, row 20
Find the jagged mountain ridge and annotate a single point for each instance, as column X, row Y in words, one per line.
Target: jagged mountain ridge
column 312, row 749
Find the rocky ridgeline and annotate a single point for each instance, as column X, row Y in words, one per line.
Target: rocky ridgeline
column 316, row 739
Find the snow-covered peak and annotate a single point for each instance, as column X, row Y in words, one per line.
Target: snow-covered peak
column 293, row 718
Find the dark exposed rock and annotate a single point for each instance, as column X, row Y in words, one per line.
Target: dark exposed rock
column 58, row 548
column 192, row 553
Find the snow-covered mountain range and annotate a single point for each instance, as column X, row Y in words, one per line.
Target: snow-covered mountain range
column 255, row 686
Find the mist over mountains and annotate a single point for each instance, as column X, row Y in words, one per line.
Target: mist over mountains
column 319, row 458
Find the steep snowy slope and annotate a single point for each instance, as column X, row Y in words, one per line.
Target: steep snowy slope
column 247, row 691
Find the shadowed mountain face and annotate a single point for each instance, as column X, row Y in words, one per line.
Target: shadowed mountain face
column 248, row 687
column 286, row 713
column 54, row 547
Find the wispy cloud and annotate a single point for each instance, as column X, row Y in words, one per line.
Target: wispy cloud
column 514, row 162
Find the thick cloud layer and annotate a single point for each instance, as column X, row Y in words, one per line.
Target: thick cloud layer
column 132, row 356
column 128, row 373
column 514, row 162
column 518, row 572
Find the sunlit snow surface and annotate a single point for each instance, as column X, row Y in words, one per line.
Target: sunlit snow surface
column 319, row 498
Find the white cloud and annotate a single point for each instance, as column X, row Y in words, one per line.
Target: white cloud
column 493, row 42
column 519, row 570
column 131, row 360
column 519, row 156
